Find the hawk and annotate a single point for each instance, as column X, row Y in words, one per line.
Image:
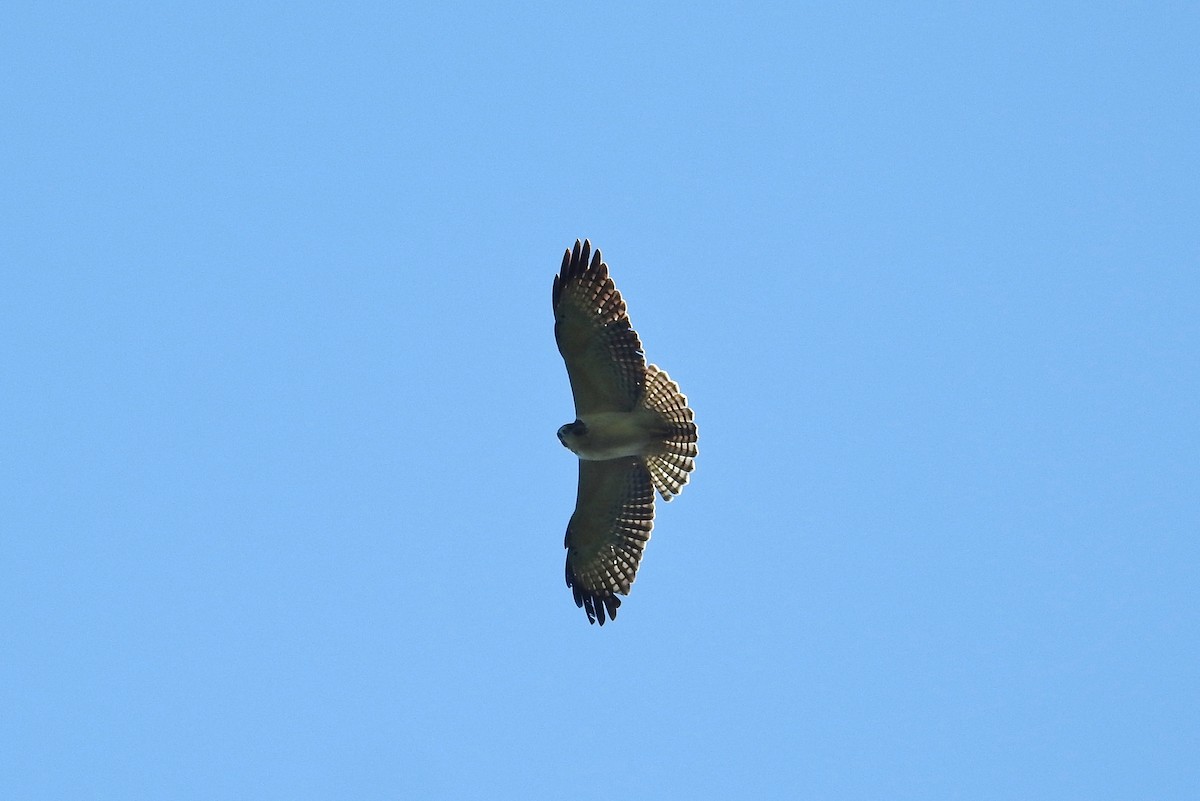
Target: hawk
column 633, row 433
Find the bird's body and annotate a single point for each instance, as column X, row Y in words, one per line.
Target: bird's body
column 633, row 433
column 611, row 435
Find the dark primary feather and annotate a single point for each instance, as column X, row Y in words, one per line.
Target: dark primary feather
column 602, row 352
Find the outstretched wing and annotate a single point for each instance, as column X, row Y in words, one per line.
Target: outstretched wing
column 603, row 354
column 614, row 512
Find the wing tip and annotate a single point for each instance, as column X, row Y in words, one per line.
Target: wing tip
column 593, row 604
column 578, row 261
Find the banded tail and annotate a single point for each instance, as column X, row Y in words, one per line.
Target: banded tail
column 671, row 466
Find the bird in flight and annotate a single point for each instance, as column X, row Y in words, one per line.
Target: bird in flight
column 633, row 433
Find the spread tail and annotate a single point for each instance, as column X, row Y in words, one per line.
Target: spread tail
column 671, row 464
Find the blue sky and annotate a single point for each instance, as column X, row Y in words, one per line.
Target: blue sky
column 281, row 498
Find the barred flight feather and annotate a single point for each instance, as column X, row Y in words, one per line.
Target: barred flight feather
column 671, row 467
column 602, row 564
column 591, row 314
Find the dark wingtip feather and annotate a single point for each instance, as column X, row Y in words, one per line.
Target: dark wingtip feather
column 592, row 604
column 574, row 264
column 611, row 603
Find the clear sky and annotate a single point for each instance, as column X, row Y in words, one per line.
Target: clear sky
column 281, row 501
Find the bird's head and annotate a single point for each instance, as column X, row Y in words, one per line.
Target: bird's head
column 570, row 434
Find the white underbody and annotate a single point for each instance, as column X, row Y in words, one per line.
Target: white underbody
column 612, row 435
